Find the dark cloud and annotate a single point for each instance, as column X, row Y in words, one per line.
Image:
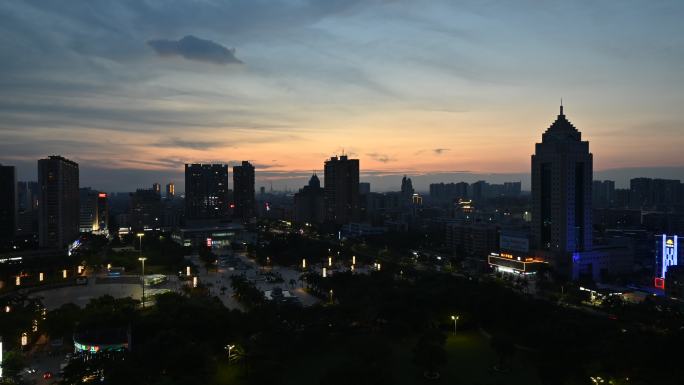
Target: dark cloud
column 194, row 48
column 384, row 158
column 440, row 151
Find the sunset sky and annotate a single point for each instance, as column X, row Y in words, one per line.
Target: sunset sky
column 132, row 90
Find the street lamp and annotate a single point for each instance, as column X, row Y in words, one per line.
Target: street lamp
column 455, row 319
column 229, row 348
column 140, row 235
column 331, row 296
column 143, row 259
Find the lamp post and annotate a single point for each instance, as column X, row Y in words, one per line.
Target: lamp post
column 455, row 318
column 140, row 235
column 143, row 259
column 229, row 348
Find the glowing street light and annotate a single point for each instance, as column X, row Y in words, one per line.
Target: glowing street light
column 64, row 273
column 41, row 277
column 194, row 281
column 229, row 348
column 329, row 261
column 17, row 280
column 143, row 259
column 353, row 259
column 80, row 269
column 303, row 263
column 140, row 235
column 331, row 296
column 187, row 271
column 24, row 339
column 455, row 319
column 7, row 308
column 325, row 272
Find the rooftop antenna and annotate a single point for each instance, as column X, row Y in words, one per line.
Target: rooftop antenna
column 561, row 106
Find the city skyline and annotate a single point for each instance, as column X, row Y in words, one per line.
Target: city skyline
column 436, row 90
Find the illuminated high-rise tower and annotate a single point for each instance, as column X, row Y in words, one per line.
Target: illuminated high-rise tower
column 206, row 191
column 562, row 169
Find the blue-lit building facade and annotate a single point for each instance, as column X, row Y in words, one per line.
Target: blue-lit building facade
column 668, row 253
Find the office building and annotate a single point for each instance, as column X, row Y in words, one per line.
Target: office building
column 309, row 202
column 170, row 190
column 8, row 202
column 602, row 193
column 156, row 187
column 364, row 188
column 145, row 210
column 58, row 207
column 206, row 191
column 94, row 216
column 341, row 189
column 27, row 204
column 562, row 169
column 243, row 191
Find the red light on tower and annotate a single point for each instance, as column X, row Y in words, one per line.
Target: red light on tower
column 208, row 242
column 659, row 283
column 102, row 195
column 232, row 205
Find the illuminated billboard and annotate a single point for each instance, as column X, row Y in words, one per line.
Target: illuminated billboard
column 508, row 263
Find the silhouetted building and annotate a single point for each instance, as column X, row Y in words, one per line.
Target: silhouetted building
column 603, row 193
column 407, row 190
column 659, row 194
column 342, row 189
column 561, row 196
column 58, row 201
column 309, row 202
column 448, row 192
column 479, row 191
column 94, row 215
column 145, row 210
column 156, row 187
column 8, row 202
column 472, row 240
column 206, row 191
column 243, row 191
column 170, row 190
column 364, row 188
column 27, row 203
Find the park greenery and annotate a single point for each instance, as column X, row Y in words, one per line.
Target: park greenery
column 392, row 326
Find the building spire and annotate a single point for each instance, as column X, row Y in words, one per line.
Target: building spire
column 561, row 107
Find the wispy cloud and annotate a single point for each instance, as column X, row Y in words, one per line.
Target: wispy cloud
column 384, row 158
column 194, row 48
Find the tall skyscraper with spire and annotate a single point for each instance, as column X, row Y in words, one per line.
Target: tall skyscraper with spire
column 562, row 168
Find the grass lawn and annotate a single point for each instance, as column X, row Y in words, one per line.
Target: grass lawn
column 469, row 361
